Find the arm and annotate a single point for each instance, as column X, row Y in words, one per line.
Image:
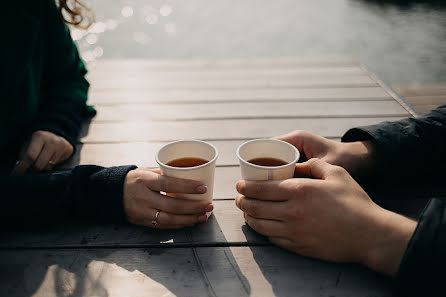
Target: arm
column 63, row 97
column 421, row 272
column 407, row 146
column 106, row 194
column 85, row 192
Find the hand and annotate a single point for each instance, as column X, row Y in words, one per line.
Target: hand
column 355, row 157
column 44, row 150
column 326, row 216
column 142, row 200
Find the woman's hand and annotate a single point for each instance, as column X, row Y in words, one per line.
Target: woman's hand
column 144, row 204
column 326, row 216
column 355, row 157
column 43, row 152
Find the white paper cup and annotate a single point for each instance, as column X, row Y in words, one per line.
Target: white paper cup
column 267, row 148
column 190, row 149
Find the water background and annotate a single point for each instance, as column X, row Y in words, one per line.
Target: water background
column 402, row 43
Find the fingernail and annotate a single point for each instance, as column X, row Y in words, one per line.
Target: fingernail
column 209, row 208
column 201, row 189
column 202, row 218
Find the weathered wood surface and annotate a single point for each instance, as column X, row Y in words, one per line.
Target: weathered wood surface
column 142, row 154
column 142, row 105
column 107, row 96
column 425, row 97
column 219, row 129
column 218, row 111
column 223, row 271
column 226, row 227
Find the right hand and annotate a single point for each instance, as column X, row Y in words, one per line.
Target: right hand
column 355, row 157
column 142, row 200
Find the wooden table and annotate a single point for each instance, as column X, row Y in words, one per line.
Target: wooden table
column 144, row 104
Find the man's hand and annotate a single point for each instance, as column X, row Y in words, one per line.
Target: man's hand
column 355, row 157
column 44, row 150
column 143, row 200
column 326, row 216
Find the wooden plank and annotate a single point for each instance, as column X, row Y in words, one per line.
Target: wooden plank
column 141, row 154
column 225, row 227
column 268, row 83
column 235, row 271
column 222, row 73
column 219, row 129
column 162, row 112
column 153, row 272
column 104, row 97
column 178, row 65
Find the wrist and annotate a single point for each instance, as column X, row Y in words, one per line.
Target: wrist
column 387, row 242
column 357, row 157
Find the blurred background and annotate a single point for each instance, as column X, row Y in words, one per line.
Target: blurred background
column 403, row 42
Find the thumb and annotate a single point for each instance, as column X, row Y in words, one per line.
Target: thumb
column 314, row 168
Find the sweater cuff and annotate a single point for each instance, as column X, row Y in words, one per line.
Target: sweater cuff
column 421, row 271
column 105, row 189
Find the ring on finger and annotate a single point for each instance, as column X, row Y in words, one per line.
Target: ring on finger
column 51, row 162
column 154, row 221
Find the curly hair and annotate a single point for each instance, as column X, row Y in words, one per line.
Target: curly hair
column 76, row 13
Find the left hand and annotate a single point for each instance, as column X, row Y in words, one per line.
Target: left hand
column 43, row 152
column 326, row 216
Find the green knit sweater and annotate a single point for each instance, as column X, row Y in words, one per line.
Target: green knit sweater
column 42, row 78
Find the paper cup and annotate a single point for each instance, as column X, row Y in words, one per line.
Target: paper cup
column 267, row 148
column 190, row 149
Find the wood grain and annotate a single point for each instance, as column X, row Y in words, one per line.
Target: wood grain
column 234, row 271
column 217, row 84
column 177, row 112
column 141, row 154
column 219, row 129
column 104, row 97
column 222, row 73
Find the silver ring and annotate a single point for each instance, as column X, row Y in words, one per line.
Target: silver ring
column 154, row 221
column 51, row 162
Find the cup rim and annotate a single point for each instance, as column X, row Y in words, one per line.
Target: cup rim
column 186, row 168
column 268, row 167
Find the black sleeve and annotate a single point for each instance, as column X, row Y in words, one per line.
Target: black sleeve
column 63, row 96
column 422, row 270
column 409, row 147
column 86, row 192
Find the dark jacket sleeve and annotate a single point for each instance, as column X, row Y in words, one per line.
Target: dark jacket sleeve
column 86, row 192
column 63, row 96
column 422, row 270
column 409, row 147
column 415, row 147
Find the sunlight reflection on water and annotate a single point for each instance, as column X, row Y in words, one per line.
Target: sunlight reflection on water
column 402, row 44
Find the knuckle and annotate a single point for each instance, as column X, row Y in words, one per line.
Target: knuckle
column 30, row 156
column 337, row 170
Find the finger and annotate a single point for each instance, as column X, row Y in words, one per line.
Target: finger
column 282, row 242
column 168, row 219
column 182, row 206
column 273, row 190
column 157, row 182
column 259, row 209
column 319, row 169
column 30, row 156
column 44, row 157
column 295, row 138
column 266, row 227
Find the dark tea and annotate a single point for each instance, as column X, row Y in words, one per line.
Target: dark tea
column 187, row 162
column 269, row 162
